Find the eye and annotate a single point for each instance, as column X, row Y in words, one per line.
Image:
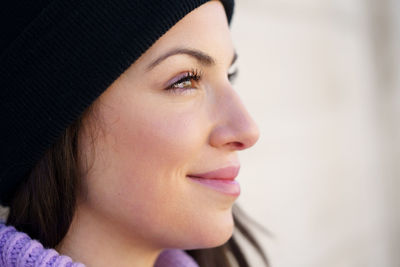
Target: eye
column 185, row 81
column 233, row 73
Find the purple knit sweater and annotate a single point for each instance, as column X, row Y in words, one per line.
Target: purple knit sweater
column 18, row 250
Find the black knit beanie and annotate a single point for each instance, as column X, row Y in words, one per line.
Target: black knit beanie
column 57, row 57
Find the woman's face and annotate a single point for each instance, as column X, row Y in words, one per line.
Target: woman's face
column 158, row 129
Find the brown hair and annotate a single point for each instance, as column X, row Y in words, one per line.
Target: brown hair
column 44, row 204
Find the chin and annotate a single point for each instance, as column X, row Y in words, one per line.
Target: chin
column 213, row 235
column 219, row 240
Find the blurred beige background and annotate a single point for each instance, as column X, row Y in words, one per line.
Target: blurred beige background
column 322, row 79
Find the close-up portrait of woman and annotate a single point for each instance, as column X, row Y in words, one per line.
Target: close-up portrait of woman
column 120, row 135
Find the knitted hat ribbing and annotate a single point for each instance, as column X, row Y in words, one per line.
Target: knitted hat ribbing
column 57, row 57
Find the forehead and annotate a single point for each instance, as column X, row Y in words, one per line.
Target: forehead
column 205, row 28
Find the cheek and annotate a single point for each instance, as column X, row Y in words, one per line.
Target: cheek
column 158, row 139
column 142, row 158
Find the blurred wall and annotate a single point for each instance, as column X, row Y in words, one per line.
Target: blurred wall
column 321, row 78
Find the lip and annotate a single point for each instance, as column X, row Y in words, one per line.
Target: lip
column 220, row 180
column 227, row 173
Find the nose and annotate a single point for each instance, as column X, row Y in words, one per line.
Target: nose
column 234, row 129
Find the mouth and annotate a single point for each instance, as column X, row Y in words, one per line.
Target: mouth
column 220, row 180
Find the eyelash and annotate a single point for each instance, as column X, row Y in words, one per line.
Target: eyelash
column 195, row 75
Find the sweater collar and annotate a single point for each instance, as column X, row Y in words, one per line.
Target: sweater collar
column 19, row 250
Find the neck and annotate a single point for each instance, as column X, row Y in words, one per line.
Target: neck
column 99, row 242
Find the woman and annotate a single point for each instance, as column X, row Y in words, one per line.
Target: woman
column 123, row 132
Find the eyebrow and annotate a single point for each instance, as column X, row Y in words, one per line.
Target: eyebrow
column 200, row 56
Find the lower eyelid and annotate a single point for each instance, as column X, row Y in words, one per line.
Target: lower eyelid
column 181, row 91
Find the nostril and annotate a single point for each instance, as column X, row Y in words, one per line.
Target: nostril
column 237, row 145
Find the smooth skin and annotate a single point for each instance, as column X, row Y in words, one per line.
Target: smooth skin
column 137, row 198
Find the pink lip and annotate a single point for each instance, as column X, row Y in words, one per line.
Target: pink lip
column 221, row 180
column 227, row 173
